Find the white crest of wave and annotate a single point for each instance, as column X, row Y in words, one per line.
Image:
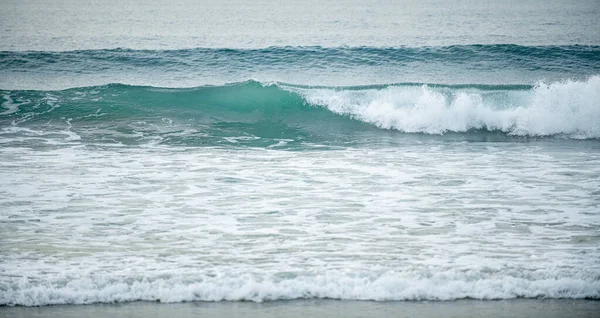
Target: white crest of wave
column 333, row 285
column 570, row 108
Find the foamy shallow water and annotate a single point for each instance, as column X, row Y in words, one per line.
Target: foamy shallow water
column 431, row 220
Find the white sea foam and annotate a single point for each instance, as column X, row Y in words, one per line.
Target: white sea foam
column 16, row 134
column 569, row 108
column 10, row 105
column 332, row 285
column 424, row 221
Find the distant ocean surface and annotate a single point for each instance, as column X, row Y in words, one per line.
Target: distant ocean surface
column 364, row 150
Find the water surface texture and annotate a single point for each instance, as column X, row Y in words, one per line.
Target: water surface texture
column 269, row 151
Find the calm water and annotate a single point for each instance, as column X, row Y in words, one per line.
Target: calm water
column 364, row 150
column 74, row 25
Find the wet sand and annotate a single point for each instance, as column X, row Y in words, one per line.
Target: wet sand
column 320, row 308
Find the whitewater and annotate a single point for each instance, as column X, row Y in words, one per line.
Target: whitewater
column 306, row 156
column 427, row 221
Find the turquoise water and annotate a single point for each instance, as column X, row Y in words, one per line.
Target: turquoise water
column 208, row 151
column 498, row 64
column 284, row 115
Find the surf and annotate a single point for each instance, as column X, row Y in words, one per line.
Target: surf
column 262, row 113
column 388, row 286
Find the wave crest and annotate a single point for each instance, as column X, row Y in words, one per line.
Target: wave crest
column 268, row 114
column 569, row 108
column 332, row 285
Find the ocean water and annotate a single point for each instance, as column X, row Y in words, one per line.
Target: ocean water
column 267, row 151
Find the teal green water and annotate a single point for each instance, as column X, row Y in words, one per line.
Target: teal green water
column 494, row 64
column 460, row 92
column 263, row 115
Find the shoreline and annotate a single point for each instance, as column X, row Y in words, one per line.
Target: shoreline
column 321, row 308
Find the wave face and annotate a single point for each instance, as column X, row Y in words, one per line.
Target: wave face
column 333, row 66
column 251, row 113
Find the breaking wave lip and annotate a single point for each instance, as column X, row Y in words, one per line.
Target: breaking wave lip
column 566, row 109
column 387, row 287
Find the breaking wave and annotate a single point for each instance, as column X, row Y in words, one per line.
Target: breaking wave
column 331, row 285
column 254, row 111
